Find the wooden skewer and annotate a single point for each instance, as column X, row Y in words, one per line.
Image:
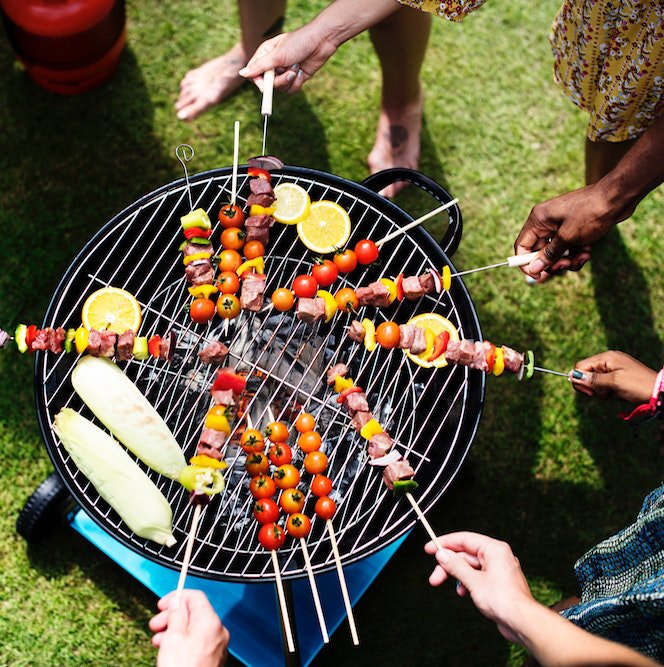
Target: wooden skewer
column 314, row 591
column 342, row 583
column 425, row 522
column 417, row 222
column 282, row 604
column 189, row 548
column 236, row 150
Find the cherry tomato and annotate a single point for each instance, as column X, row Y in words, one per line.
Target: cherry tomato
column 298, row 525
column 231, row 216
column 201, row 310
column 228, row 282
column 266, row 510
column 232, row 238
column 366, row 251
column 325, row 508
column 287, row 476
column 309, row 441
column 305, row 422
column 277, row 431
column 315, row 462
column 345, row 260
column 388, row 334
column 271, row 536
column 262, row 487
column 321, row 485
column 280, row 454
column 256, row 464
column 228, row 306
column 325, row 272
column 283, row 299
column 252, row 441
column 305, row 287
column 291, row 501
column 229, row 260
column 253, row 249
column 347, row 300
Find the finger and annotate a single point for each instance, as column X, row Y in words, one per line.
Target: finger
column 178, row 615
column 159, row 622
column 552, row 252
column 163, row 603
column 156, row 639
column 461, row 590
column 461, row 541
column 301, row 78
column 261, row 63
column 438, row 576
column 284, row 81
column 600, row 363
column 458, row 568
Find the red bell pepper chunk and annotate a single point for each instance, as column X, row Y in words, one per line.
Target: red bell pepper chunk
column 228, row 380
column 491, row 356
column 255, row 172
column 399, row 284
column 30, row 335
column 154, row 346
column 194, row 232
column 439, row 344
column 346, row 392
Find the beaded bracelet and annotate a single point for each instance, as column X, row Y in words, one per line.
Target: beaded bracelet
column 654, row 408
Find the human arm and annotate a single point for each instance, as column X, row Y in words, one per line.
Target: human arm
column 188, row 632
column 615, row 375
column 314, row 43
column 491, row 574
column 575, row 220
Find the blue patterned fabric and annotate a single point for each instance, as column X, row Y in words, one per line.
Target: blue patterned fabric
column 622, row 583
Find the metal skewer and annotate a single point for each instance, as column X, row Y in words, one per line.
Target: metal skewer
column 417, row 222
column 266, row 106
column 548, row 370
column 514, row 260
column 184, row 153
column 236, row 149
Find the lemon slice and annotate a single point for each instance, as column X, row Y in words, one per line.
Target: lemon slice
column 433, row 324
column 111, row 309
column 292, row 203
column 326, row 228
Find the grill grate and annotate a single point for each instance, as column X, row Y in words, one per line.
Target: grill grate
column 432, row 415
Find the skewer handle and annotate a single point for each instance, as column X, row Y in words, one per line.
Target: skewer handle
column 268, row 92
column 417, row 222
column 282, row 604
column 423, row 519
column 188, row 549
column 342, row 583
column 521, row 260
column 236, row 150
column 314, row 591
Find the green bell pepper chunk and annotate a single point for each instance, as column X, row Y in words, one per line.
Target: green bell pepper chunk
column 140, row 349
column 403, row 486
column 198, row 218
column 19, row 336
column 530, row 364
column 69, row 340
column 208, row 480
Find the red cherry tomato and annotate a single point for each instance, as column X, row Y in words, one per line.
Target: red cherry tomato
column 253, row 249
column 271, row 536
column 287, row 476
column 315, row 462
column 298, row 525
column 388, row 335
column 325, row 272
column 231, row 216
column 345, row 260
column 232, row 238
column 229, row 260
column 280, row 454
column 266, row 510
column 252, row 440
column 325, row 508
column 228, row 306
column 283, row 299
column 228, row 282
column 347, row 300
column 366, row 251
column 201, row 310
column 321, row 486
column 291, row 501
column 256, row 464
column 262, row 487
column 309, row 441
column 305, row 422
column 277, row 431
column 305, row 287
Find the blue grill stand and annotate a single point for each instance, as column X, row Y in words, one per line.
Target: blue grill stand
column 237, row 603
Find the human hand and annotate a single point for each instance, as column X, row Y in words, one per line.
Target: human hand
column 570, row 222
column 615, row 375
column 188, row 632
column 295, row 57
column 488, row 571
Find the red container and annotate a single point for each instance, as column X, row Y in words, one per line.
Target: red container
column 66, row 46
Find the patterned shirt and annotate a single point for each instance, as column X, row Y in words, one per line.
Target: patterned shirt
column 454, row 10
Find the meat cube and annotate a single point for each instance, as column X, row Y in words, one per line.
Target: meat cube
column 359, row 419
column 261, row 234
column 398, row 470
column 412, row 288
column 195, row 248
column 4, row 338
column 419, row 341
column 204, row 450
column 56, row 340
column 479, row 357
column 406, row 336
column 357, row 402
column 260, row 186
column 466, row 352
column 41, row 340
column 263, row 200
column 94, row 343
column 427, row 283
column 356, row 331
column 200, row 272
column 262, row 220
column 310, row 310
column 125, row 345
column 513, row 360
column 215, row 353
column 338, row 370
column 225, row 397
column 379, row 445
column 253, row 287
column 107, row 347
column 212, row 438
column 380, row 295
column 364, row 295
column 453, row 351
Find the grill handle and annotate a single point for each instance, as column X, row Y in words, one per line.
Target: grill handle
column 378, row 181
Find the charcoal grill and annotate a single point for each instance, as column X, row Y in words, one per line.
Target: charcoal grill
column 432, row 414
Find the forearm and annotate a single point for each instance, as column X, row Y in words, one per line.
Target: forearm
column 556, row 642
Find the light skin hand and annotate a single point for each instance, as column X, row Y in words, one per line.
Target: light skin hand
column 615, row 375
column 188, row 632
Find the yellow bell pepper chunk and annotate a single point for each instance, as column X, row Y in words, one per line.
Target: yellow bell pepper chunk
column 391, row 288
column 499, row 363
column 258, row 263
column 203, row 461
column 197, row 255
column 261, row 210
column 198, row 218
column 369, row 334
column 371, row 428
column 430, row 338
column 341, row 384
column 446, row 276
column 81, row 339
column 202, row 291
column 217, row 420
column 330, row 304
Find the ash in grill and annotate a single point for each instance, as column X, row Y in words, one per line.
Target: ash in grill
column 432, row 415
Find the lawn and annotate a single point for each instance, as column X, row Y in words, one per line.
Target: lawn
column 550, row 472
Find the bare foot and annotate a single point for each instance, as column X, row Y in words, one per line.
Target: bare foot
column 211, row 83
column 397, row 141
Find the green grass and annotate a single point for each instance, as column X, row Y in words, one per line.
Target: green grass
column 549, row 472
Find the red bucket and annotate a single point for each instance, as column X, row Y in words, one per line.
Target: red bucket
column 66, row 46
